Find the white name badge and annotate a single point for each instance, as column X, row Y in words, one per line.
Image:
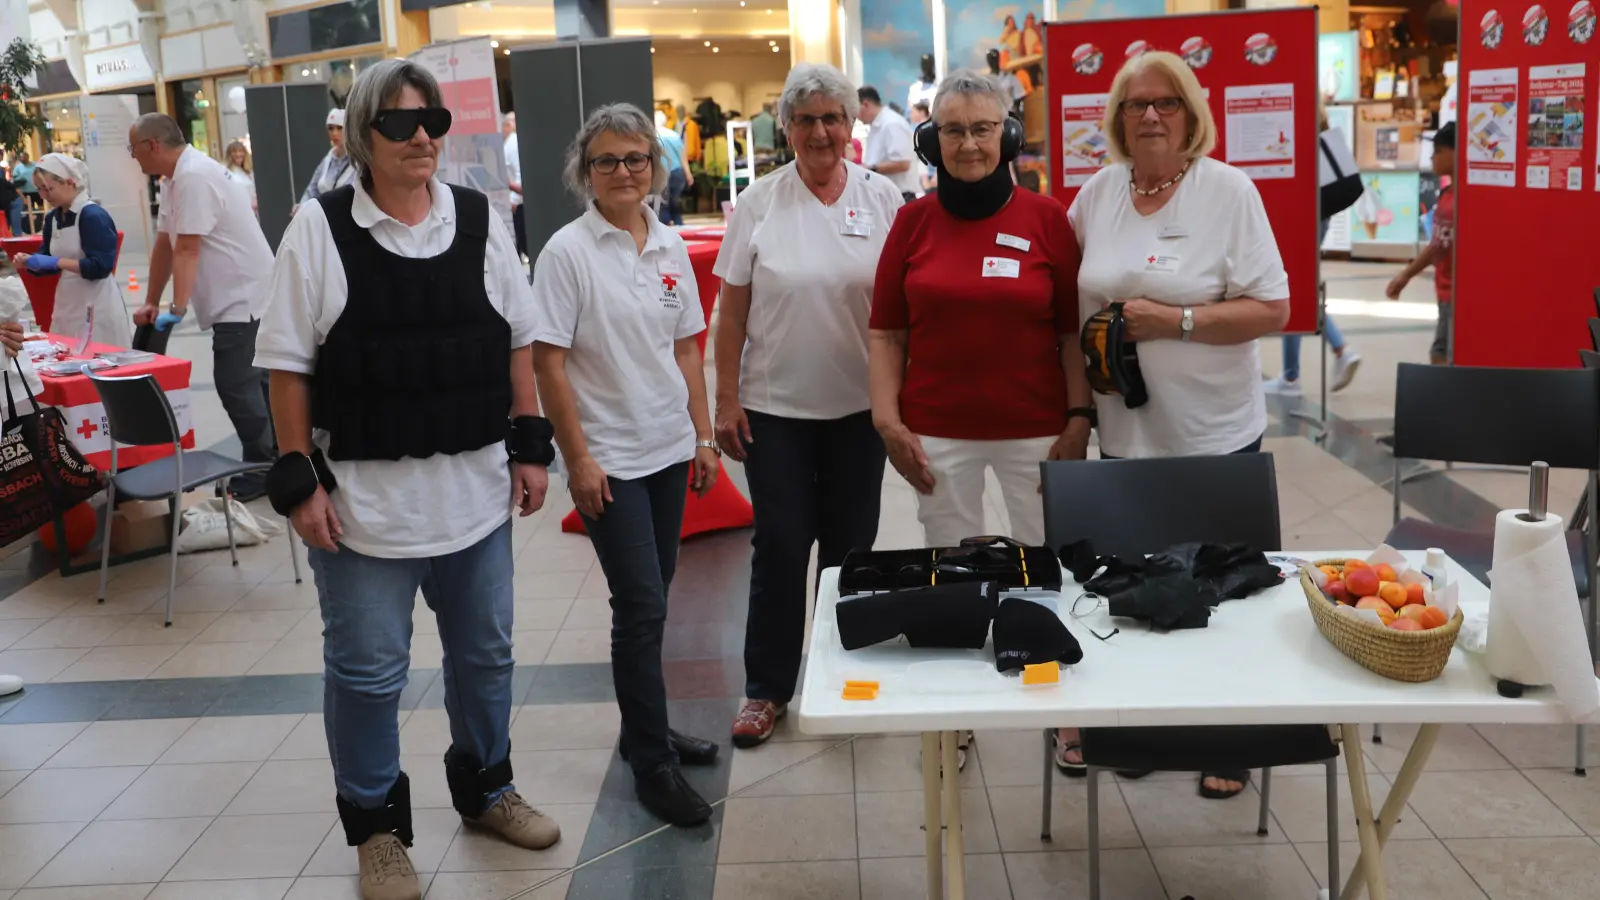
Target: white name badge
column 1169, row 232
column 858, row 222
column 1012, row 241
column 1001, row 267
column 1164, row 263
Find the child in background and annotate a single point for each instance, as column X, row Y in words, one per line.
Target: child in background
column 1440, row 252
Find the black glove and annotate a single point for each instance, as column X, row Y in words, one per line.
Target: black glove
column 954, row 616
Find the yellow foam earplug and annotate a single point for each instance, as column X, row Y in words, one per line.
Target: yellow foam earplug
column 861, row 693
column 1043, row 673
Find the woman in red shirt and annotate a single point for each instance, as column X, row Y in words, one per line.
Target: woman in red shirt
column 974, row 358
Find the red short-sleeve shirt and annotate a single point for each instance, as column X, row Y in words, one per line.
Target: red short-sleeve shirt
column 986, row 305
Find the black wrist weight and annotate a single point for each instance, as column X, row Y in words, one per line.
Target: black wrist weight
column 531, row 441
column 294, row 478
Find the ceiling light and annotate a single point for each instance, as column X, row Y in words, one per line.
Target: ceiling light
column 304, row 72
column 772, row 43
column 741, row 2
column 716, row 49
column 495, row 44
column 708, row 43
column 774, row 48
column 652, row 49
column 506, row 51
column 769, row 12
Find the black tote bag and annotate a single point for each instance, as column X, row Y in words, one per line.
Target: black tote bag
column 41, row 472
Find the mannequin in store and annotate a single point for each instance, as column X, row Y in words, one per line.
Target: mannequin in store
column 80, row 244
column 1008, row 82
column 926, row 85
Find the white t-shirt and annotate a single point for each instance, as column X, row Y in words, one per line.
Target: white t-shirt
column 619, row 312
column 513, row 166
column 1211, row 242
column 889, row 139
column 805, row 352
column 407, row 508
column 921, row 91
column 200, row 198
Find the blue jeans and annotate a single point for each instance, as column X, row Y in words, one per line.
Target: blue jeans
column 636, row 540
column 14, row 215
column 672, row 201
column 366, row 649
column 1291, row 342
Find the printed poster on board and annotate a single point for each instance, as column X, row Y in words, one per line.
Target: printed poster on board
column 1492, row 127
column 1260, row 123
column 1555, row 127
column 474, row 152
column 1084, row 147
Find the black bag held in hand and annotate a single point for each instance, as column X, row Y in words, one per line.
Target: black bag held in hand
column 950, row 616
column 41, row 472
column 987, row 558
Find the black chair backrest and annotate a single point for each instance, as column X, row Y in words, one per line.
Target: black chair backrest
column 1130, row 507
column 1589, row 358
column 1494, row 416
column 1594, row 333
column 137, row 411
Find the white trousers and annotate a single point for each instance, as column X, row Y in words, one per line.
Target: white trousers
column 954, row 510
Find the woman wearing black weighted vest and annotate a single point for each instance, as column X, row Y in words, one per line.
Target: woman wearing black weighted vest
column 395, row 407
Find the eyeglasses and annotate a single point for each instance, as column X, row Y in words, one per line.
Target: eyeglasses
column 804, row 122
column 980, row 131
column 139, row 144
column 607, row 165
column 1094, row 606
column 1165, row 106
column 401, row 124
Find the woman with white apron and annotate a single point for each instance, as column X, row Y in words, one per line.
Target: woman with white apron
column 80, row 243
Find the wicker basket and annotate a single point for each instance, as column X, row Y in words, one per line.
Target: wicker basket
column 1401, row 655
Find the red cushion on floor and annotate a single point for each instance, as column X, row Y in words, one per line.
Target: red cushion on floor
column 720, row 510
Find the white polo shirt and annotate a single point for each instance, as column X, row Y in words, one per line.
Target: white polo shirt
column 230, row 284
column 1211, row 242
column 513, row 165
column 810, row 272
column 407, row 508
column 890, row 139
column 619, row 312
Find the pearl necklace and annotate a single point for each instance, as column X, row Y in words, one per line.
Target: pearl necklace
column 1160, row 187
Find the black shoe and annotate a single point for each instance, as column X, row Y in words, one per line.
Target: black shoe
column 692, row 751
column 670, row 798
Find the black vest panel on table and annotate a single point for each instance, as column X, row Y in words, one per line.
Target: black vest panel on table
column 419, row 361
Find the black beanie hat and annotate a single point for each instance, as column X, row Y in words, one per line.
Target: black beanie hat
column 1027, row 633
column 954, row 616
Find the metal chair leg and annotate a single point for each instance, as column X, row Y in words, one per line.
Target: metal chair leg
column 1377, row 734
column 105, row 538
column 1266, row 802
column 227, row 517
column 1333, row 826
column 1094, row 833
column 1049, row 783
column 173, row 504
column 1581, row 767
column 294, row 555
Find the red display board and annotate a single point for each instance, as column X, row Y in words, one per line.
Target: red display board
column 1257, row 61
column 1526, row 184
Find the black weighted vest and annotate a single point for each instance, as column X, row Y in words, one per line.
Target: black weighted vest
column 419, row 361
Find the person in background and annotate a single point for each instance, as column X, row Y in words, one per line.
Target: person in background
column 1345, row 359
column 622, row 378
column 238, row 157
column 209, row 243
column 679, row 178
column 11, row 204
column 22, row 180
column 764, row 131
column 1440, row 252
column 792, row 401
column 393, row 496
column 1197, row 310
column 891, row 150
column 513, row 156
column 80, row 244
column 334, row 171
column 920, row 113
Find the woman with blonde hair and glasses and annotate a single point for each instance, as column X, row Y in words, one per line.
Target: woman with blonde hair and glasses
column 1183, row 242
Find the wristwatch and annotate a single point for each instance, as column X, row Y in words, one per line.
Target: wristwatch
column 1187, row 327
column 709, row 445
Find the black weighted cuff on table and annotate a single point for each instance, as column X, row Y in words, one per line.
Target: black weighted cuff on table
column 531, row 441
column 294, row 478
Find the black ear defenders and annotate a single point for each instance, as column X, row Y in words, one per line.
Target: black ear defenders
column 1111, row 359
column 927, row 142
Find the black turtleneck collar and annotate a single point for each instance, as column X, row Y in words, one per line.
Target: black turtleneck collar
column 975, row 199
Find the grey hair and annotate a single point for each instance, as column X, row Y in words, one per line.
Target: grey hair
column 971, row 84
column 808, row 81
column 158, row 127
column 378, row 84
column 623, row 120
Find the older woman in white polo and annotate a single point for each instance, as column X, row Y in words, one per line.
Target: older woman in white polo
column 1183, row 241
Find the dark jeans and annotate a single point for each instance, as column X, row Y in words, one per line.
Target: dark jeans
column 1252, row 447
column 242, row 388
column 14, row 215
column 637, row 543
column 519, row 225
column 811, row 482
column 672, row 202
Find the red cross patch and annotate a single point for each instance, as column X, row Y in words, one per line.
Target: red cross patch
column 87, row 429
column 990, row 263
column 669, row 282
column 1151, row 260
column 851, row 214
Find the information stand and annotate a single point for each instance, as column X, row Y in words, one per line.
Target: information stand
column 1526, row 185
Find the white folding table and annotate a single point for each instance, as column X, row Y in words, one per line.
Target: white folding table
column 1260, row 661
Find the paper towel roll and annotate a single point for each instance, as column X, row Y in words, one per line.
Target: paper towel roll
column 1535, row 626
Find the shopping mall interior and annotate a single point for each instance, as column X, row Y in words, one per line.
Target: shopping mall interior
column 167, row 737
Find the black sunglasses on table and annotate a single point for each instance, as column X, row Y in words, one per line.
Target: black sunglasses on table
column 400, row 124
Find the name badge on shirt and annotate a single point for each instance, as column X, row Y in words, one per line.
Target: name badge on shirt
column 1169, row 232
column 671, row 285
column 1012, row 241
column 858, row 222
column 1163, row 263
column 1001, row 267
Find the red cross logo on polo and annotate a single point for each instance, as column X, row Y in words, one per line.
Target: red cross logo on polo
column 851, row 214
column 990, row 263
column 87, row 429
column 1151, row 260
column 669, row 282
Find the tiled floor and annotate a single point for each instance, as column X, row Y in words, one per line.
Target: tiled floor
column 146, row 763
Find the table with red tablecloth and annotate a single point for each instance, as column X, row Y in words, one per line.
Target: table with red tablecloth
column 723, row 507
column 80, row 406
column 41, row 288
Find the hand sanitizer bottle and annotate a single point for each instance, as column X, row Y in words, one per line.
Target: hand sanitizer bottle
column 1435, row 569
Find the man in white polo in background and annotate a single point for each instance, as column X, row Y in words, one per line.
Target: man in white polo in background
column 891, row 149
column 210, row 244
column 508, row 128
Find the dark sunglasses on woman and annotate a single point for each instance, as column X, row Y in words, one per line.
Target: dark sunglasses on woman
column 400, row 124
